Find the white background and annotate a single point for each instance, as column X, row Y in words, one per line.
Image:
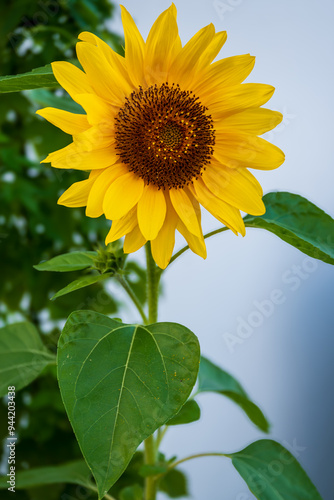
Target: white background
column 286, row 364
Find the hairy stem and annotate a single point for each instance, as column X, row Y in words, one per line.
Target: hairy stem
column 122, row 281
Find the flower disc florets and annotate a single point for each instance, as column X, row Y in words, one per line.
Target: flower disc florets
column 164, row 135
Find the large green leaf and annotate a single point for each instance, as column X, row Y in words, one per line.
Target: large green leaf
column 81, row 283
column 299, row 222
column 211, row 378
column 119, row 383
column 272, row 473
column 37, row 78
column 22, row 356
column 190, row 412
column 72, row 472
column 73, row 261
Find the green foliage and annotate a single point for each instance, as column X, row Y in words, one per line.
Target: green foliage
column 22, row 356
column 211, row 378
column 299, row 222
column 81, row 283
column 190, row 412
column 46, row 98
column 73, row 472
column 272, row 473
column 132, row 493
column 174, row 483
column 37, row 78
column 73, row 261
column 119, row 383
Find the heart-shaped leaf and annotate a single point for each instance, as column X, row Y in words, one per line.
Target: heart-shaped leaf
column 272, row 473
column 119, row 383
column 299, row 222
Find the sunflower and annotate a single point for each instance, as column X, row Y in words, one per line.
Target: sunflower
column 165, row 131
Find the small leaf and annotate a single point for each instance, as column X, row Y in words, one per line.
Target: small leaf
column 47, row 98
column 272, row 473
column 72, row 472
column 211, row 378
column 23, row 356
column 119, row 383
column 81, row 283
column 37, row 78
column 174, row 483
column 299, row 222
column 152, row 470
column 190, row 412
column 134, row 492
column 74, row 261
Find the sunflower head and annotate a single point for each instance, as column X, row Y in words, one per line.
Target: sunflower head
column 165, row 132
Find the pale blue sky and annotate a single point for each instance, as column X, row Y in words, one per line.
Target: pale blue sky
column 286, row 362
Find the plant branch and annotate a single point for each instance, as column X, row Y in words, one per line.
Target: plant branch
column 122, row 281
column 184, row 249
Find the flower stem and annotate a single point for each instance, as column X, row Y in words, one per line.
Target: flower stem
column 122, row 281
column 152, row 298
column 180, row 252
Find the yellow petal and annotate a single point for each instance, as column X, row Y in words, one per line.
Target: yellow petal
column 122, row 195
column 107, row 83
column 151, row 211
column 71, row 78
column 196, row 245
column 233, row 99
column 224, row 73
column 77, row 194
column 100, row 186
column 72, row 157
column 122, row 226
column 212, row 50
column 224, row 212
column 186, row 208
column 161, row 41
column 70, row 123
column 234, row 188
column 162, row 246
column 133, row 241
column 245, row 150
column 96, row 137
column 183, row 67
column 116, row 61
column 253, row 120
column 97, row 109
column 134, row 48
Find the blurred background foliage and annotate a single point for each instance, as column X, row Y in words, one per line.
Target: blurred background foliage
column 34, row 228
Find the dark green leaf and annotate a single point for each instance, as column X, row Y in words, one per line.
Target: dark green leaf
column 81, row 283
column 72, row 472
column 152, row 470
column 35, row 79
column 299, row 222
column 211, row 378
column 73, row 261
column 119, row 383
column 174, row 483
column 190, row 412
column 47, row 98
column 22, row 356
column 134, row 492
column 272, row 473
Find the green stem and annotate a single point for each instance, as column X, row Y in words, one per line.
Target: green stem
column 160, row 436
column 153, row 277
column 122, row 281
column 152, row 298
column 180, row 252
column 191, row 457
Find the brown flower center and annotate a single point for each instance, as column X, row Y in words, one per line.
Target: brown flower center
column 164, row 135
